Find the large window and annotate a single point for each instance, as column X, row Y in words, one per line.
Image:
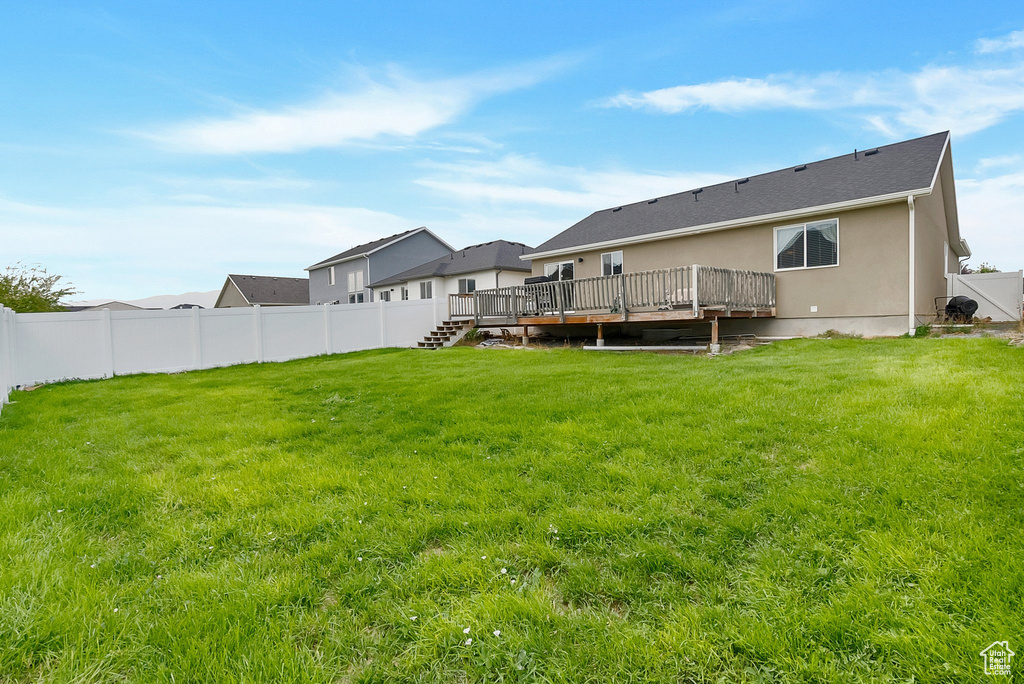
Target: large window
column 385, row 295
column 427, row 290
column 467, row 285
column 611, row 263
column 357, row 298
column 811, row 245
column 561, row 271
column 405, row 293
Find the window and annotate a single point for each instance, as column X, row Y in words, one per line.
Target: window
column 356, row 298
column 467, row 285
column 562, row 271
column 385, row 296
column 405, row 293
column 330, row 276
column 355, row 281
column 811, row 245
column 426, row 290
column 611, row 263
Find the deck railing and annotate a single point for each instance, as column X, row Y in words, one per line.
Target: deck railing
column 681, row 287
column 460, row 306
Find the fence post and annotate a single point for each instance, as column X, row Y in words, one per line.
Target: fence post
column 328, row 342
column 258, row 314
column 108, row 342
column 383, row 324
column 6, row 380
column 622, row 296
column 197, row 338
column 694, row 279
column 12, row 348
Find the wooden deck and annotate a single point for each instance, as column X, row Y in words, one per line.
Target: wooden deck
column 684, row 293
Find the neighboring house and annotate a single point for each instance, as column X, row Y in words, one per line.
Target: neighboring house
column 250, row 290
column 113, row 306
column 491, row 264
column 860, row 243
column 345, row 278
column 186, row 306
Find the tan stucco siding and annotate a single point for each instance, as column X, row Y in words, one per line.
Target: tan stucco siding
column 931, row 257
column 870, row 280
column 230, row 297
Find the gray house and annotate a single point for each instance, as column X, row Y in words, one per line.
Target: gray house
column 345, row 278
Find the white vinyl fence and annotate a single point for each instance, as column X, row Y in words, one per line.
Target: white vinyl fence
column 999, row 295
column 47, row 347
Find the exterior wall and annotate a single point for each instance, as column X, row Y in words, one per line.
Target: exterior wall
column 871, row 278
column 231, row 297
column 322, row 293
column 405, row 254
column 932, row 255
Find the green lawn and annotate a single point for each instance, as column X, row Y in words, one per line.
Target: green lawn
column 817, row 510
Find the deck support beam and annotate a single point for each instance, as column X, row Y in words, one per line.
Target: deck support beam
column 600, row 334
column 526, row 335
column 714, row 347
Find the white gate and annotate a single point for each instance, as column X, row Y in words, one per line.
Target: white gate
column 999, row 295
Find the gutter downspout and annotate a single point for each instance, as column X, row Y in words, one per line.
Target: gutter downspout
column 911, row 317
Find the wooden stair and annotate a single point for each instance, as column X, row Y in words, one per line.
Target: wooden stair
column 446, row 334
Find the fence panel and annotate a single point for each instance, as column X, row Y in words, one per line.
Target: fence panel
column 151, row 341
column 47, row 347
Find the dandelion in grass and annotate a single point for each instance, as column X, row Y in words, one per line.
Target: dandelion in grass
column 93, row 565
column 497, row 632
column 469, row 642
column 504, row 571
column 512, row 581
column 211, row 548
column 413, row 618
column 483, row 557
column 116, row 609
column 466, row 631
column 60, row 510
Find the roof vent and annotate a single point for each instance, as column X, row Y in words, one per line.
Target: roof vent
column 802, row 167
column 740, row 182
column 617, row 209
column 871, row 152
column 697, row 192
column 652, row 201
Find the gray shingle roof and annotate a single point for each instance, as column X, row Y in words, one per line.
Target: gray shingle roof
column 364, row 248
column 899, row 167
column 484, row 257
column 272, row 290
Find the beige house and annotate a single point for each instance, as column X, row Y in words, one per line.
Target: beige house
column 860, row 243
column 250, row 290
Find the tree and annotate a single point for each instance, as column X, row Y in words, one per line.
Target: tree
column 983, row 268
column 30, row 289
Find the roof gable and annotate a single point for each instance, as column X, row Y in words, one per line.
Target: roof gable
column 374, row 246
column 497, row 254
column 889, row 170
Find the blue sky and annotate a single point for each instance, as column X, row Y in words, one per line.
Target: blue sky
column 151, row 148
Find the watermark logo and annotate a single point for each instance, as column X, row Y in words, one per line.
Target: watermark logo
column 997, row 658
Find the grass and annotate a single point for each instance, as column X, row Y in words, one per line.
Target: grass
column 817, row 510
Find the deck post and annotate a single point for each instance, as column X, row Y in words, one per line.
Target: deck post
column 600, row 335
column 622, row 298
column 560, row 296
column 526, row 335
column 714, row 347
column 694, row 277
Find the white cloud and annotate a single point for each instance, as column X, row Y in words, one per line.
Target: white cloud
column 518, row 180
column 991, row 212
column 964, row 99
column 986, row 163
column 1011, row 41
column 140, row 250
column 396, row 107
column 724, row 96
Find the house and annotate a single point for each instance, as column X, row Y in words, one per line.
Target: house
column 250, row 290
column 186, row 306
column 859, row 243
column 458, row 273
column 345, row 278
column 112, row 305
